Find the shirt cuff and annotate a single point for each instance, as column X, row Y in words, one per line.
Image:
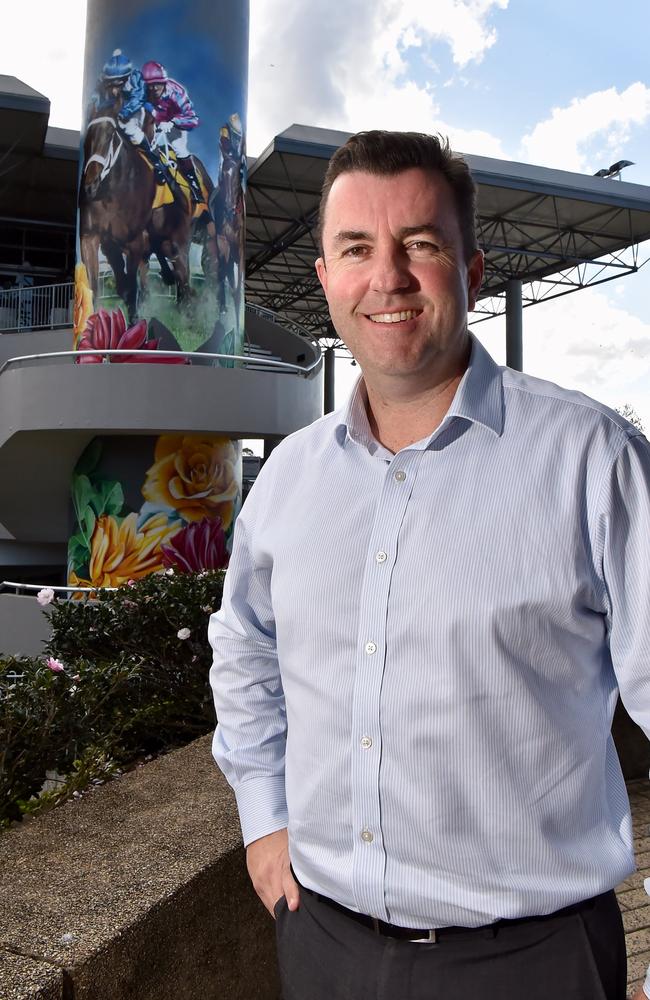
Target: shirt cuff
column 262, row 807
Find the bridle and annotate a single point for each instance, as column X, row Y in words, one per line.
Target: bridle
column 107, row 162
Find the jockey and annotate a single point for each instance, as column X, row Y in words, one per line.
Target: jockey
column 174, row 115
column 120, row 79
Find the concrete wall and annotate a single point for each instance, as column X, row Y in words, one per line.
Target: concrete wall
column 138, row 890
column 50, row 410
column 24, row 626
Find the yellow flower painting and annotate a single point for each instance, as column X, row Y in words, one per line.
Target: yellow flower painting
column 195, row 475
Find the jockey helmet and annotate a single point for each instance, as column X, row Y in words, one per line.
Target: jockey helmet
column 154, row 72
column 118, row 67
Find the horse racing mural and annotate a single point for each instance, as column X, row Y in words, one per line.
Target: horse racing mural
column 160, row 236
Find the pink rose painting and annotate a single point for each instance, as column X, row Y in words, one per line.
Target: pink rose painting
column 108, row 331
column 199, row 546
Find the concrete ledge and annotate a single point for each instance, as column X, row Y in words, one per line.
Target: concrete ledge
column 138, row 890
column 23, row 979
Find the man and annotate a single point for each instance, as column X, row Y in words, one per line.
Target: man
column 173, row 113
column 431, row 599
column 121, row 82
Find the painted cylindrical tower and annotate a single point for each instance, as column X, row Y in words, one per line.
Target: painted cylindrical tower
column 160, row 263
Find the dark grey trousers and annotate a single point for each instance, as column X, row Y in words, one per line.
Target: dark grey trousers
column 326, row 955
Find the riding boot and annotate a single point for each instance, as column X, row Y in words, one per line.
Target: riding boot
column 186, row 166
column 160, row 172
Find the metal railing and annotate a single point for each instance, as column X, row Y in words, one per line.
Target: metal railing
column 150, row 356
column 36, row 307
column 42, row 306
column 286, row 324
column 16, row 586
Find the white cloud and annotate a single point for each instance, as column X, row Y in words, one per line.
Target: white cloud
column 462, row 25
column 587, row 342
column 591, row 131
column 345, row 66
column 42, row 43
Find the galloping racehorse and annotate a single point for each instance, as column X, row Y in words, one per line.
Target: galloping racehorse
column 116, row 205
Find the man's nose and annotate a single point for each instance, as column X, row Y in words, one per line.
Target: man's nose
column 391, row 271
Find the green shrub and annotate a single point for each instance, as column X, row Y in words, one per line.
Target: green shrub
column 49, row 717
column 124, row 684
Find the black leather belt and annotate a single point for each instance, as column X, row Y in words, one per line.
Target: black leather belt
column 434, row 935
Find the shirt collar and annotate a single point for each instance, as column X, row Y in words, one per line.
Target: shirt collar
column 478, row 398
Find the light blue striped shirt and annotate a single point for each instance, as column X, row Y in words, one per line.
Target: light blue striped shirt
column 417, row 657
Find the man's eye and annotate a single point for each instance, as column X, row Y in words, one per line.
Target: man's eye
column 356, row 251
column 422, row 246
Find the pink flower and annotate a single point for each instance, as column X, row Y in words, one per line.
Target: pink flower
column 55, row 665
column 199, row 546
column 45, row 596
column 107, row 331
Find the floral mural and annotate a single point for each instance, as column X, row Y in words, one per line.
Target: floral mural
column 107, row 331
column 196, row 476
column 83, row 301
column 201, row 545
column 190, row 494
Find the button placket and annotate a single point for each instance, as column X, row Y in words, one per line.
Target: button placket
column 369, row 856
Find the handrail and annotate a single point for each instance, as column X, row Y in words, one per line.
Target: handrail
column 150, row 355
column 36, row 307
column 46, row 586
column 54, row 297
column 286, row 324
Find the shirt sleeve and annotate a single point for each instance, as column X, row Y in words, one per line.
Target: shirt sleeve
column 250, row 738
column 185, row 117
column 626, row 572
column 136, row 95
column 626, row 569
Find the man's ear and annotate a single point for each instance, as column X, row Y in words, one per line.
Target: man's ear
column 321, row 271
column 474, row 278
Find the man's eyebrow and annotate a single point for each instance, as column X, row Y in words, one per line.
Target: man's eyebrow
column 351, row 235
column 427, row 228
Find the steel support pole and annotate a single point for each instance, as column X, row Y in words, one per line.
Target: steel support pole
column 514, row 344
column 329, row 360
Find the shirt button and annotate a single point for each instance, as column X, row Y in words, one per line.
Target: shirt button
column 366, row 742
column 366, row 836
column 371, row 647
column 381, row 556
column 400, row 476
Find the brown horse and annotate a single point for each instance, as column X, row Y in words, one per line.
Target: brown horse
column 184, row 219
column 116, row 199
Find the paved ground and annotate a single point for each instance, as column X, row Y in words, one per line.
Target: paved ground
column 633, row 899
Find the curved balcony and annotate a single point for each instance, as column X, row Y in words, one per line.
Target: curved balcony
column 50, row 408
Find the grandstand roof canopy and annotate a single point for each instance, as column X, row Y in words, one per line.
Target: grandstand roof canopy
column 556, row 231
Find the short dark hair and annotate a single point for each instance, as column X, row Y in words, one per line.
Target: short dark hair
column 390, row 153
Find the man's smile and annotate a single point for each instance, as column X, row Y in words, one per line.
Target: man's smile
column 394, row 317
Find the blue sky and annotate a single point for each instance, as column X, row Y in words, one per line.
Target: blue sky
column 563, row 84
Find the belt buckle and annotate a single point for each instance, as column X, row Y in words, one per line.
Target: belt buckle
column 431, row 938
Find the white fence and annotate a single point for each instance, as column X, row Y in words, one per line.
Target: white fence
column 38, row 307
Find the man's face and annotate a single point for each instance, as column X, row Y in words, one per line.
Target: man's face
column 156, row 91
column 395, row 276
